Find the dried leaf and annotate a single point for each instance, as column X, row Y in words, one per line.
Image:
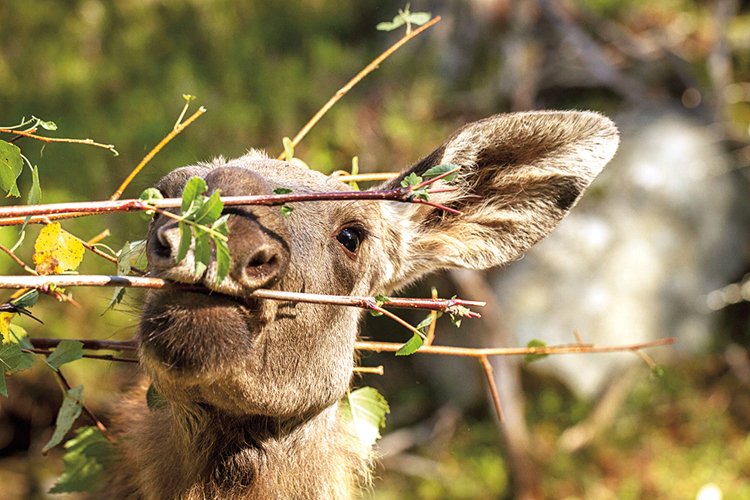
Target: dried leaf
column 56, row 250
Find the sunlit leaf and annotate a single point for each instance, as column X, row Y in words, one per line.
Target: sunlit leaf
column 35, row 193
column 411, row 346
column 86, row 456
column 288, row 148
column 150, row 195
column 282, row 190
column 286, row 211
column 364, row 411
column 5, row 318
column 28, row 299
column 65, row 352
column 419, row 18
column 202, row 252
column 223, row 259
column 186, row 236
column 210, row 210
column 530, row 358
column 46, row 124
column 191, row 195
column 11, row 166
column 397, row 22
column 69, row 412
column 411, row 180
column 440, row 170
column 56, row 250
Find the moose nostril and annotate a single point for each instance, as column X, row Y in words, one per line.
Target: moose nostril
column 162, row 247
column 262, row 266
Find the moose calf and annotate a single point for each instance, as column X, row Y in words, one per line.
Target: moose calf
column 252, row 387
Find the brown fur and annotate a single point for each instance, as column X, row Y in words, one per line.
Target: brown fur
column 252, row 388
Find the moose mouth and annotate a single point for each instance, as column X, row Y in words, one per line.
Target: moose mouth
column 191, row 328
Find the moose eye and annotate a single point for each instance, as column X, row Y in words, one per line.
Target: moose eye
column 350, row 238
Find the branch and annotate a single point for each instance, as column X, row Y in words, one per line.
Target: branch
column 359, row 76
column 89, row 142
column 63, row 280
column 105, row 357
column 179, row 127
column 14, row 215
column 472, row 352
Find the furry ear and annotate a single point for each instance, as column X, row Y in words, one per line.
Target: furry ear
column 520, row 174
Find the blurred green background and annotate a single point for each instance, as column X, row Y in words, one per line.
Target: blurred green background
column 115, row 71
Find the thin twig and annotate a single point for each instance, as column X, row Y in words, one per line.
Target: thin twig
column 375, row 370
column 433, row 322
column 487, row 368
column 16, row 259
column 359, row 76
column 378, row 176
column 105, row 357
column 68, row 280
column 473, row 352
column 171, row 135
column 89, row 142
column 470, row 352
column 14, row 215
column 94, row 345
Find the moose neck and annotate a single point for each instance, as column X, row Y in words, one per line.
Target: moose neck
column 194, row 453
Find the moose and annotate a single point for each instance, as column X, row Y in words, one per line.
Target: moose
column 252, row 387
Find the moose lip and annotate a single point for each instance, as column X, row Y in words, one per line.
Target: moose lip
column 204, row 290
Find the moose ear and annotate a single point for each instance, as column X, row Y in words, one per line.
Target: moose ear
column 520, row 174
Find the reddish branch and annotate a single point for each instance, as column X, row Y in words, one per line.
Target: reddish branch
column 15, row 215
column 44, row 282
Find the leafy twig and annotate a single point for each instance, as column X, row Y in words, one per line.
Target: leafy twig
column 15, row 215
column 66, row 387
column 179, row 127
column 90, row 142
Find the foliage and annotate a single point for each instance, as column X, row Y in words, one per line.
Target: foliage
column 364, row 412
column 86, row 456
column 56, row 250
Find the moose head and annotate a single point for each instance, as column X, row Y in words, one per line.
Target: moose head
column 276, row 370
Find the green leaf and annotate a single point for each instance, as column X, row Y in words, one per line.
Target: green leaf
column 12, row 359
column 418, row 18
column 69, row 411
column 45, row 124
column 210, row 210
column 221, row 225
column 66, row 351
column 440, row 170
column 154, row 400
column 86, row 457
column 411, row 346
column 424, row 323
column 288, row 148
column 411, row 180
column 530, row 358
column 364, row 412
column 149, row 196
column 223, row 259
column 191, row 195
column 186, row 236
column 11, row 165
column 282, row 191
column 35, row 193
column 26, row 300
column 202, row 252
column 286, row 210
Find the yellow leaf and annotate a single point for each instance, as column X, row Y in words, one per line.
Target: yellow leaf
column 5, row 318
column 56, row 250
